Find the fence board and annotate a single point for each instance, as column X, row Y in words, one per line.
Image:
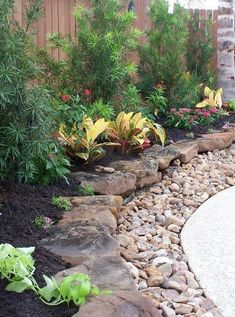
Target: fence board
column 58, row 18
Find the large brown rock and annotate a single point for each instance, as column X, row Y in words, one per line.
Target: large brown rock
column 146, row 171
column 119, row 304
column 104, row 215
column 163, row 156
column 107, row 272
column 188, row 150
column 216, row 141
column 80, row 241
column 117, row 183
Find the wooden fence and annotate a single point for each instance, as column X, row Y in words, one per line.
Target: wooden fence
column 58, row 18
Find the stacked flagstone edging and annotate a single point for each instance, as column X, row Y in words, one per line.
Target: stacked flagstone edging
column 84, row 236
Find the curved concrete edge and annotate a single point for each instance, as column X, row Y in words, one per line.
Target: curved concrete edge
column 208, row 240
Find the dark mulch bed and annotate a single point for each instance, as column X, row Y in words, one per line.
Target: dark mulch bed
column 21, row 205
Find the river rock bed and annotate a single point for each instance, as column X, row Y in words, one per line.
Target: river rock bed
column 149, row 232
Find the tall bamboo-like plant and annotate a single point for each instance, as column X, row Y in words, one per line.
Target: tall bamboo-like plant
column 201, row 49
column 25, row 129
column 163, row 58
column 97, row 57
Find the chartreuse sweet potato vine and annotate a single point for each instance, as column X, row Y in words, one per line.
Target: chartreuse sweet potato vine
column 17, row 266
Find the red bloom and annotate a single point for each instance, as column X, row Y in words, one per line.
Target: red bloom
column 87, row 92
column 213, row 110
column 187, row 110
column 65, row 98
column 206, row 114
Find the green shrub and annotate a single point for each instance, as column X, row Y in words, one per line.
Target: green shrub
column 99, row 109
column 201, row 50
column 163, row 58
column 187, row 91
column 97, row 63
column 130, row 99
column 27, row 152
column 157, row 102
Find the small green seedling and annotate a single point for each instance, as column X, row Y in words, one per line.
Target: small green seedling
column 190, row 135
column 211, row 130
column 85, row 189
column 62, row 203
column 43, row 222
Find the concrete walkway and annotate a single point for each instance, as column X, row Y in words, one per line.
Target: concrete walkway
column 208, row 239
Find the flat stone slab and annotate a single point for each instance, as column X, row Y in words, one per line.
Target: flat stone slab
column 162, row 156
column 216, row 141
column 107, row 272
column 80, row 241
column 104, row 215
column 101, row 200
column 188, row 151
column 119, row 304
column 146, row 171
column 117, row 183
column 208, row 240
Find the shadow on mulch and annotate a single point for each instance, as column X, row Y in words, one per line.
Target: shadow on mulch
column 21, row 205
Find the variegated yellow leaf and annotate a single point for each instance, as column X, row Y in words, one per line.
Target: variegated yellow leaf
column 99, row 127
column 203, row 104
column 218, row 99
column 207, row 91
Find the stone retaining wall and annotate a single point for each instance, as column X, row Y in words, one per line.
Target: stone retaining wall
column 84, row 236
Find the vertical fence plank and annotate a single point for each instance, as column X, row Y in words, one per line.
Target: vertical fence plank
column 18, row 11
column 55, row 23
column 72, row 24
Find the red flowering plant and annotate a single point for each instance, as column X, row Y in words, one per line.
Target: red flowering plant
column 185, row 118
column 181, row 118
column 208, row 116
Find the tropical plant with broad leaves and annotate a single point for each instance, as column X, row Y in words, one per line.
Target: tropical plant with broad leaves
column 212, row 99
column 131, row 132
column 83, row 142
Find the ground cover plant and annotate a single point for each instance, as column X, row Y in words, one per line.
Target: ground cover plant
column 27, row 150
column 85, row 189
column 18, row 267
column 61, row 202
